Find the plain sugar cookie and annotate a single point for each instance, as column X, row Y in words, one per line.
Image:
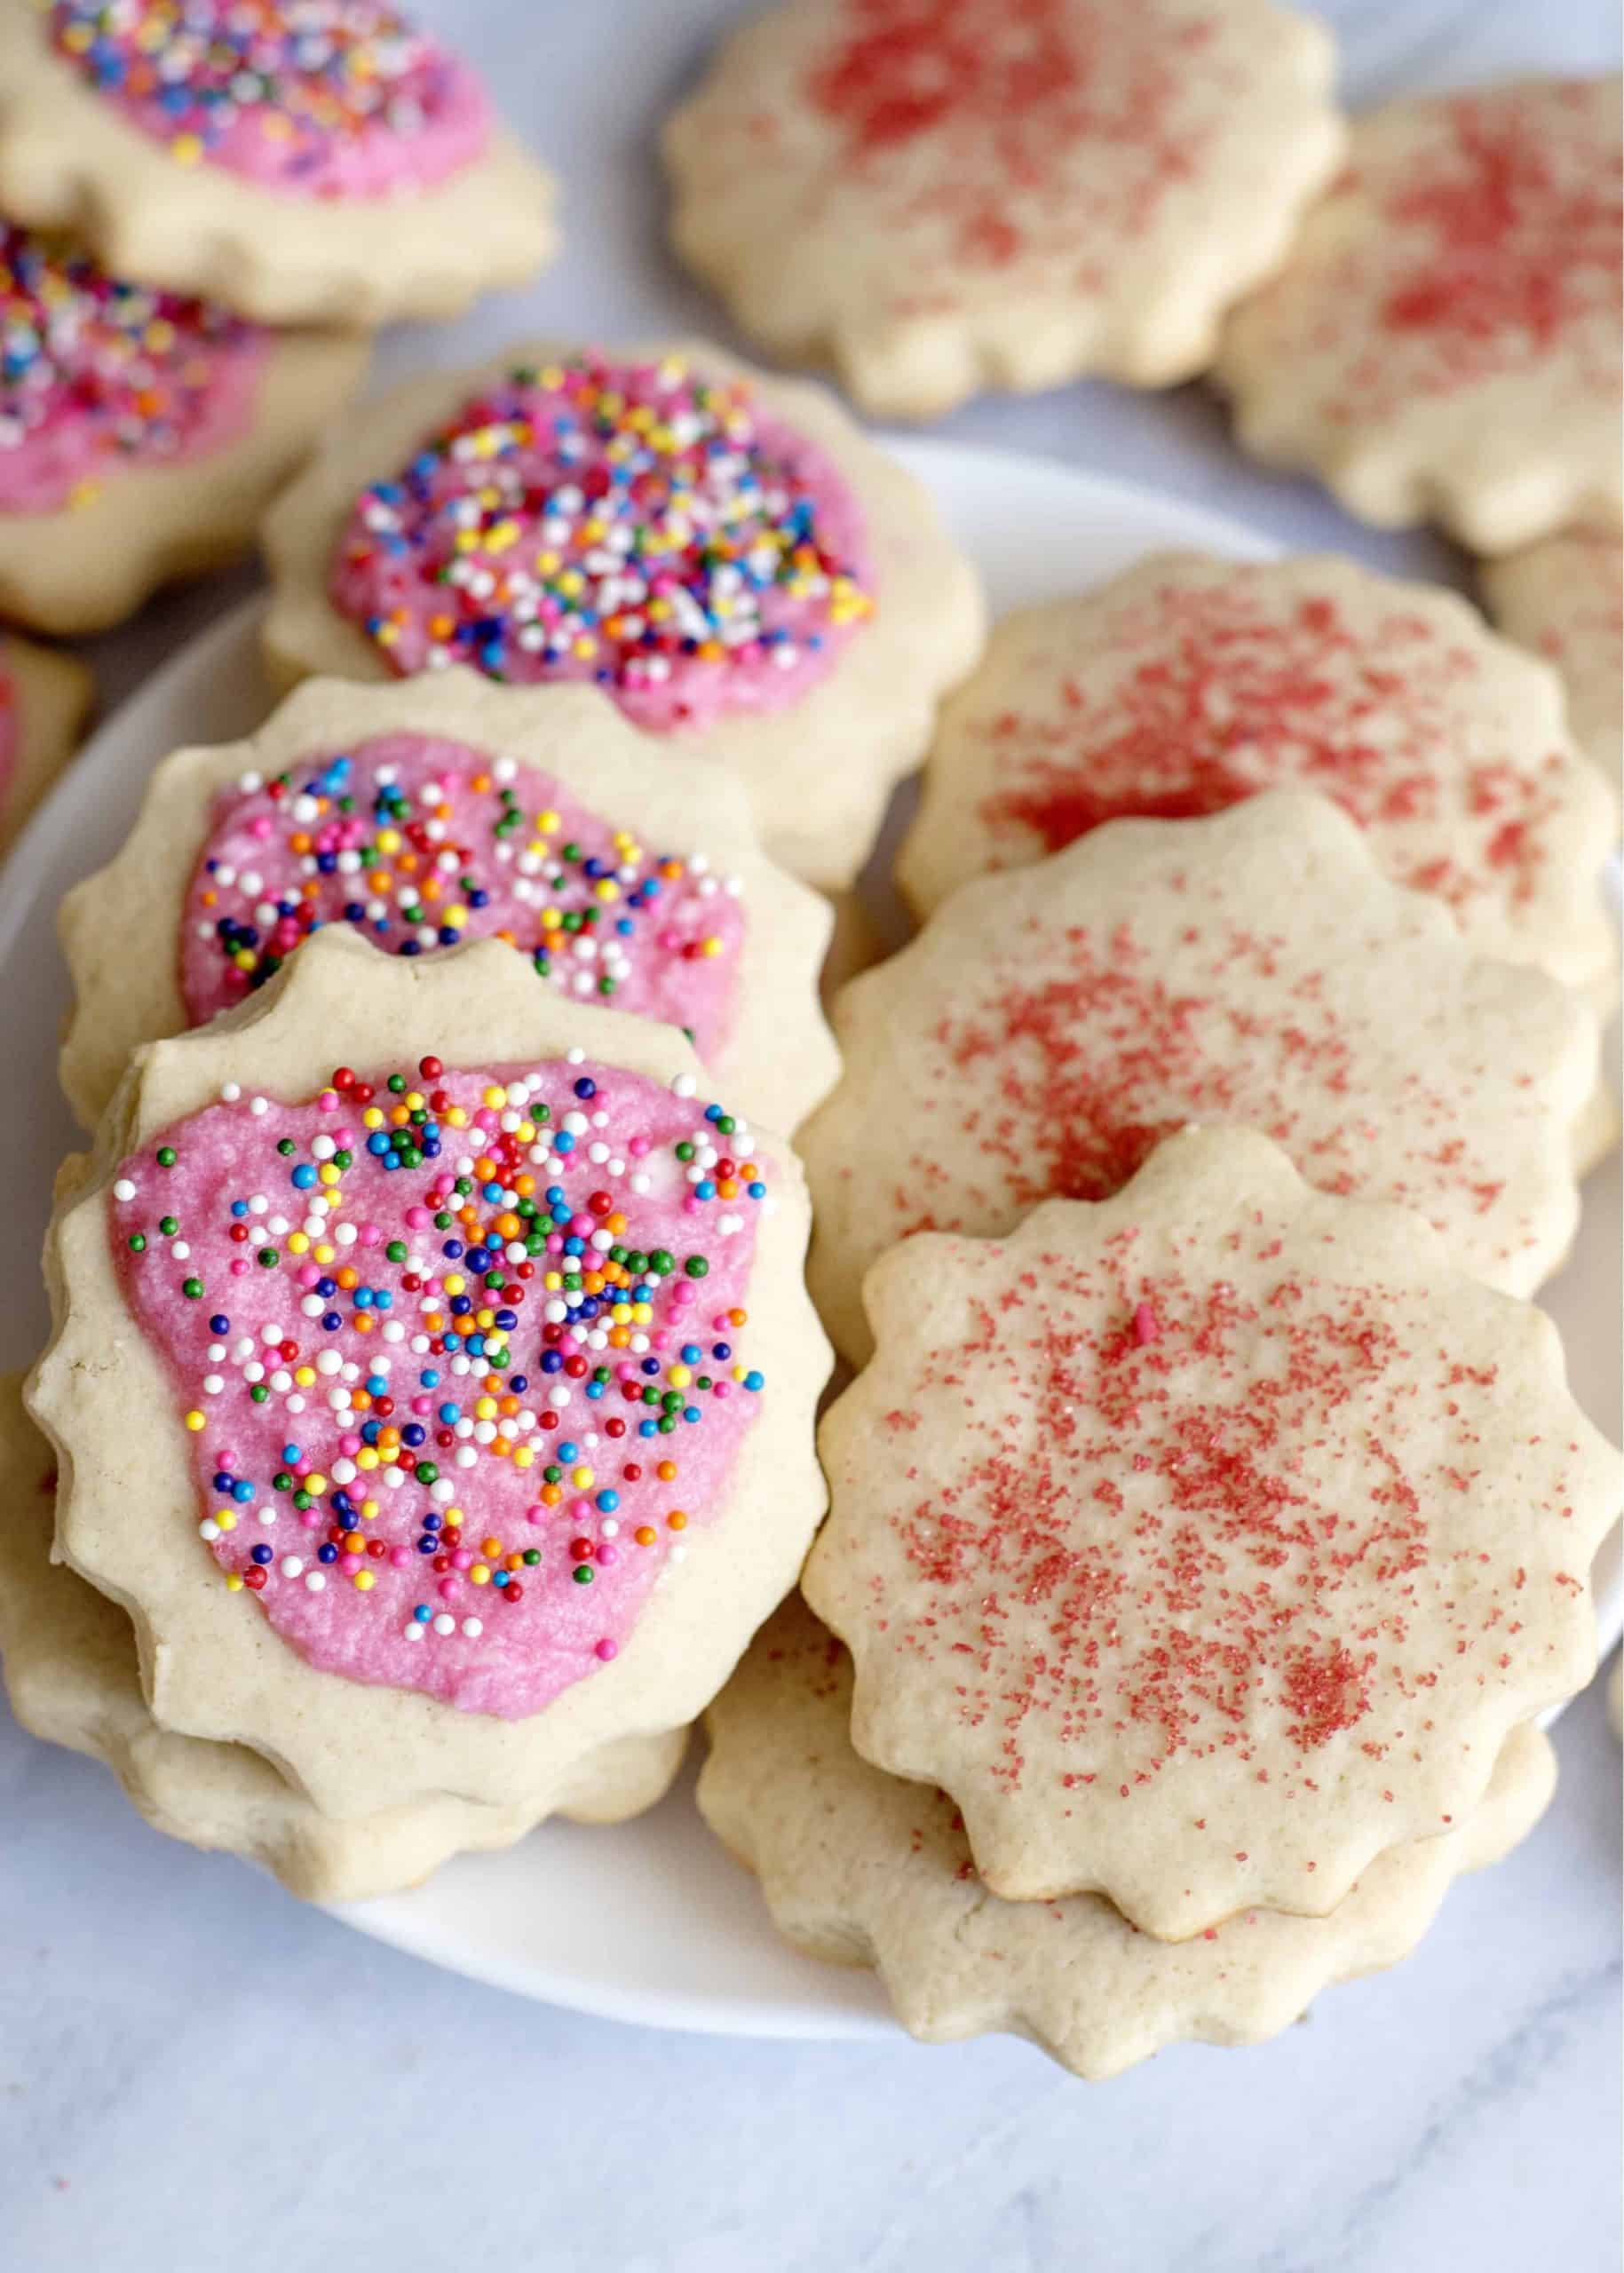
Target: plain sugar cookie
column 1052, row 1024
column 628, row 875
column 1443, row 342
column 142, row 434
column 939, row 200
column 432, row 1378
column 1191, row 681
column 301, row 160
column 44, row 700
column 726, row 554
column 1565, row 599
column 1207, row 1543
column 859, row 1868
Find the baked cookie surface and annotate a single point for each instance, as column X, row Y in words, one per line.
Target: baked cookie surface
column 44, row 700
column 142, row 432
column 937, row 200
column 477, row 1268
column 1565, row 599
column 1191, row 683
column 320, row 163
column 1443, row 342
column 452, row 809
column 1052, row 1024
column 1206, row 1542
column 860, row 1868
column 724, row 554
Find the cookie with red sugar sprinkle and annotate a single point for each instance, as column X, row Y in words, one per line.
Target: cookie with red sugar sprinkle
column 441, row 1415
column 302, row 160
column 1206, row 1542
column 1443, row 342
column 1563, row 599
column 72, row 1677
column 1050, row 1024
column 857, row 1866
column 724, row 554
column 44, row 700
column 938, row 199
column 628, row 876
column 142, row 432
column 1191, row 683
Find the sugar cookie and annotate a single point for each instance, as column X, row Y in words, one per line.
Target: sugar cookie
column 1191, row 682
column 141, row 435
column 278, row 1287
column 316, row 162
column 71, row 1673
column 859, row 1867
column 452, row 809
column 1206, row 1542
column 940, row 199
column 1565, row 599
column 727, row 554
column 1443, row 342
column 1052, row 1024
column 45, row 698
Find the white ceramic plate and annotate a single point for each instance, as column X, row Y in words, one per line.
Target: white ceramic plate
column 649, row 1922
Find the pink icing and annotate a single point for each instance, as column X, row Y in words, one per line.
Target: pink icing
column 634, row 525
column 329, row 1352
column 364, row 836
column 97, row 377
column 333, row 99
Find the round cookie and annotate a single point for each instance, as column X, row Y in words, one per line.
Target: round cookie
column 940, row 199
column 71, row 1674
column 141, row 435
column 1052, row 1024
column 1207, row 1543
column 1565, row 599
column 724, row 553
column 1190, row 683
column 1443, row 342
column 280, row 1283
column 323, row 162
column 444, row 809
column 858, row 1868
column 44, row 700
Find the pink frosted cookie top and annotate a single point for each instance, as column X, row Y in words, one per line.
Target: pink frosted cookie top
column 98, row 376
column 462, row 1356
column 339, row 99
column 634, row 525
column 1215, row 690
column 418, row 843
column 1499, row 251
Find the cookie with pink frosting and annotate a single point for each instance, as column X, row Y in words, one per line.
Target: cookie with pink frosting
column 629, row 876
column 142, row 433
column 325, row 162
column 738, row 567
column 431, row 1378
column 45, row 698
column 73, row 1677
column 1442, row 343
column 940, row 199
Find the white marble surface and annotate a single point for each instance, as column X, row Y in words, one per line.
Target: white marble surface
column 195, row 2072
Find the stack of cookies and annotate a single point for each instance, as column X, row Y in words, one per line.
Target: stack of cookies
column 426, row 1434
column 203, row 211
